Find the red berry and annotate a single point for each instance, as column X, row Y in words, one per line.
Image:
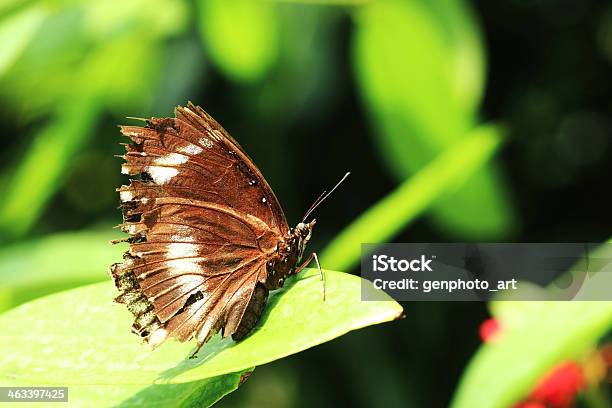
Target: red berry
column 559, row 388
column 490, row 330
column 530, row 404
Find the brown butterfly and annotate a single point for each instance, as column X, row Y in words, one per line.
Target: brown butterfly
column 208, row 237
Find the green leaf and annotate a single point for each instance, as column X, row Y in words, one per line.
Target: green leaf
column 420, row 69
column 390, row 215
column 536, row 337
column 53, row 263
column 16, row 32
column 80, row 337
column 241, row 36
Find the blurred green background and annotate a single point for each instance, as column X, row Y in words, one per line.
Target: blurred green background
column 312, row 89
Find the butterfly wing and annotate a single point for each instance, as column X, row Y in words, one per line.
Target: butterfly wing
column 203, row 223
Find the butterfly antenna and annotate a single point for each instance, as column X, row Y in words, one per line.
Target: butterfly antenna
column 323, row 196
column 316, row 202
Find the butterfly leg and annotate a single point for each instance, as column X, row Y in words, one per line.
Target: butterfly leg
column 305, row 264
column 316, row 258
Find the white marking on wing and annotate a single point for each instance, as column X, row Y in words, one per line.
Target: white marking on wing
column 126, row 196
column 157, row 337
column 184, row 266
column 191, row 149
column 161, row 175
column 182, row 238
column 181, row 250
column 171, row 159
column 206, row 142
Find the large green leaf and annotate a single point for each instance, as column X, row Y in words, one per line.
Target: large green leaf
column 80, row 337
column 420, row 70
column 386, row 218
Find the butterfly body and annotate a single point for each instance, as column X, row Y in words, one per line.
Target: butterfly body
column 288, row 253
column 208, row 238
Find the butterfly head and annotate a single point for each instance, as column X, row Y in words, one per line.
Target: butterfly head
column 303, row 231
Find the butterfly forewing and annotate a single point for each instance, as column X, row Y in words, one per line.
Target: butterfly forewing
column 193, row 157
column 203, row 223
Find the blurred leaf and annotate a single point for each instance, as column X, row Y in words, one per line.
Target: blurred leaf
column 327, row 2
column 461, row 32
column 108, row 18
column 536, row 337
column 81, row 337
column 123, row 71
column 10, row 6
column 240, row 36
column 502, row 373
column 406, row 63
column 48, row 67
column 101, row 46
column 57, row 262
column 39, row 173
column 127, row 62
column 448, row 172
column 17, row 30
column 421, row 73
